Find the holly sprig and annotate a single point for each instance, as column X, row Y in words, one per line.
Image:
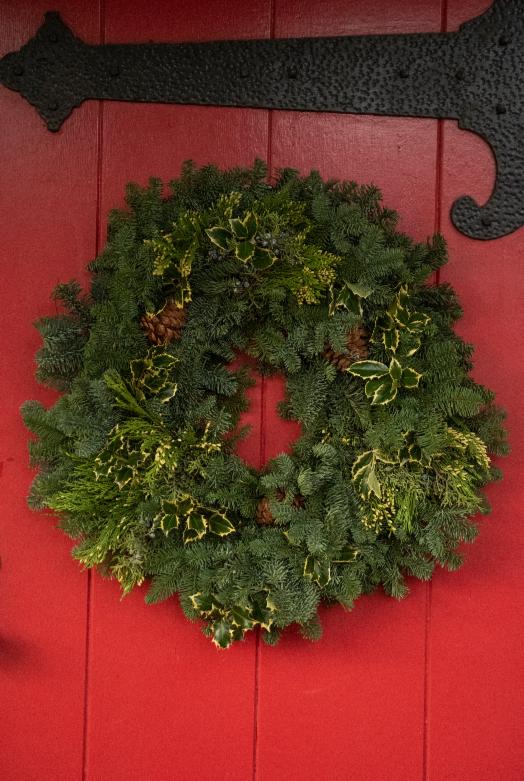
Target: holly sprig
column 399, row 328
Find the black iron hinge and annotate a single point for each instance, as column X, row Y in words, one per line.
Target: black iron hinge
column 474, row 75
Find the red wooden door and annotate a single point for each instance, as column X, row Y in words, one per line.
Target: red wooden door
column 98, row 689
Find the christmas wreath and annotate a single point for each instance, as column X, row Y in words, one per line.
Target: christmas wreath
column 313, row 280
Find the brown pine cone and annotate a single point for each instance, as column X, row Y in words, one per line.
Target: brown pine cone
column 357, row 349
column 166, row 325
column 264, row 515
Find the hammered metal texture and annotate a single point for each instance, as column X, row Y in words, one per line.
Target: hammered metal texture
column 474, row 75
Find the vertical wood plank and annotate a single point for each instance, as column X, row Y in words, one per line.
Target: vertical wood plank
column 476, row 712
column 164, row 703
column 352, row 706
column 48, row 218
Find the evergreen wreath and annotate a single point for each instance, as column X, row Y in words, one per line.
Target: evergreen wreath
column 313, row 280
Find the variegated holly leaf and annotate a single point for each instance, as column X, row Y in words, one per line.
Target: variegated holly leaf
column 414, row 345
column 391, row 339
column 241, row 617
column 169, row 517
column 349, row 297
column 219, row 524
column 126, row 455
column 219, row 236
column 161, row 361
column 381, row 390
column 417, row 321
column 223, row 634
column 318, row 570
column 231, row 623
column 242, row 240
column 368, row 369
column 238, row 229
column 185, row 505
column 244, row 229
column 174, row 252
column 209, row 606
column 123, row 474
column 181, row 292
column 410, row 378
column 382, row 324
column 348, row 554
column 364, row 475
column 410, row 453
column 204, row 603
column 399, row 328
column 168, row 522
column 263, row 258
column 264, row 614
column 400, row 315
column 152, row 376
column 360, row 290
column 395, row 370
column 383, row 381
column 365, row 478
column 196, row 527
column 244, row 250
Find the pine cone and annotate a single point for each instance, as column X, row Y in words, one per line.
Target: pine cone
column 166, row 326
column 264, row 515
column 357, row 349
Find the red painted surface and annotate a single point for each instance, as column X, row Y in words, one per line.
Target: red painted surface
column 48, row 215
column 98, row 689
column 476, row 673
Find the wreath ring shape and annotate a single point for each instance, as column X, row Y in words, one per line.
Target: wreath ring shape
column 313, row 280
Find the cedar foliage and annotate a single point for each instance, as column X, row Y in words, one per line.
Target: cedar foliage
column 137, row 456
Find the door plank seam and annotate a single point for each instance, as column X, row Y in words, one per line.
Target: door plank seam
column 262, row 451
column 437, row 227
column 98, row 242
